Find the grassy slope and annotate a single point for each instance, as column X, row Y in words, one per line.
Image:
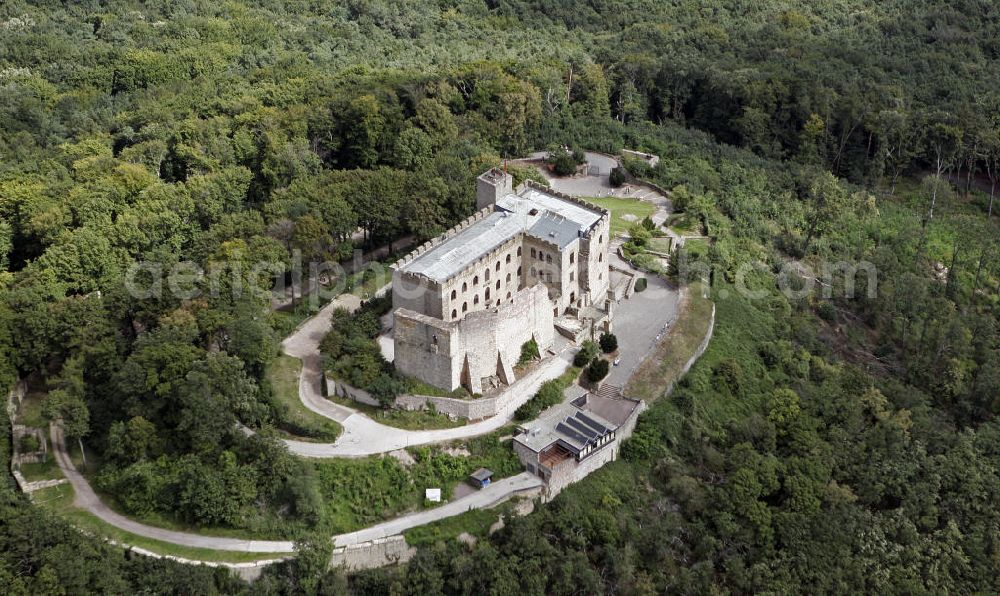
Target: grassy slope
column 621, row 207
column 283, row 375
column 665, row 364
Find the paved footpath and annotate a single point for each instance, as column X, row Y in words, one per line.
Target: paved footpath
column 364, row 436
column 86, row 499
column 490, row 496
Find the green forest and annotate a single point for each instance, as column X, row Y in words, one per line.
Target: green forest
column 826, row 442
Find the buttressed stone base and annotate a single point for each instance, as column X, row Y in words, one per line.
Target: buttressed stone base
column 482, row 347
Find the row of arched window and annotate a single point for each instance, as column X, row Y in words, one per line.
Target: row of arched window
column 475, row 301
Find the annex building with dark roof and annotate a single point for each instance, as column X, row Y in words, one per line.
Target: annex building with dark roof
column 575, row 438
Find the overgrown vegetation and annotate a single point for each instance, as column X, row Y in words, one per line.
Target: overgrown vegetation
column 529, row 352
column 229, row 134
column 549, row 394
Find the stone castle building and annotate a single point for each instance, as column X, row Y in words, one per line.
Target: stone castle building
column 465, row 302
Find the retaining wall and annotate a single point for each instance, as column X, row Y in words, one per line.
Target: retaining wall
column 697, row 354
column 471, row 409
column 334, row 387
column 372, row 554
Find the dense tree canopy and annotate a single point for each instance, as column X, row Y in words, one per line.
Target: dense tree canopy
column 831, row 443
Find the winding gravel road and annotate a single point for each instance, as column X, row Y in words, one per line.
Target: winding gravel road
column 88, row 500
column 363, row 436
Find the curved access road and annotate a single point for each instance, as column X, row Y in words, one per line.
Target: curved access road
column 363, row 436
column 86, row 499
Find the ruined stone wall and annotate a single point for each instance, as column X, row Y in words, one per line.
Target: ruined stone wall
column 543, row 264
column 479, row 286
column 598, row 268
column 339, row 389
column 427, row 349
column 471, row 409
column 416, row 293
column 438, row 352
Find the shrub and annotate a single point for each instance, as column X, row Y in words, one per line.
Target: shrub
column 529, row 351
column 647, row 222
column 684, row 401
column 609, row 342
column 385, row 388
column 29, row 444
column 588, row 351
column 564, row 162
column 827, row 311
column 728, row 375
column 639, row 235
column 549, row 394
column 597, row 370
column 617, row 177
column 640, row 284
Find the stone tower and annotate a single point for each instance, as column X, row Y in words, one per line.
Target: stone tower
column 492, row 185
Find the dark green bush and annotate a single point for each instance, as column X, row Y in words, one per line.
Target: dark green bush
column 617, row 177
column 30, row 444
column 588, row 350
column 609, row 342
column 597, row 370
column 529, row 351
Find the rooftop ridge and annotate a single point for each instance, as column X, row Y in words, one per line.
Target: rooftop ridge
column 567, row 197
column 440, row 238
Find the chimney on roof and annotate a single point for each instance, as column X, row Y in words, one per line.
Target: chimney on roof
column 491, row 186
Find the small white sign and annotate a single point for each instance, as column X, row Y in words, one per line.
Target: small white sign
column 433, row 495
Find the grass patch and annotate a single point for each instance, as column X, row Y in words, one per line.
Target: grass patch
column 476, row 522
column 416, row 420
column 296, row 419
column 360, row 492
column 284, row 322
column 29, row 413
column 667, row 361
column 685, row 225
column 663, row 245
column 619, row 208
column 366, row 282
column 59, row 500
column 418, row 387
column 48, row 470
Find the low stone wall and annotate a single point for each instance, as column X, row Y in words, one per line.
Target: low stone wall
column 372, row 554
column 629, row 286
column 649, row 158
column 339, row 389
column 248, row 571
column 18, row 432
column 697, row 354
column 471, row 409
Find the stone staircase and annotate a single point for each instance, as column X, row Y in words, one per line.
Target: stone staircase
column 610, row 391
